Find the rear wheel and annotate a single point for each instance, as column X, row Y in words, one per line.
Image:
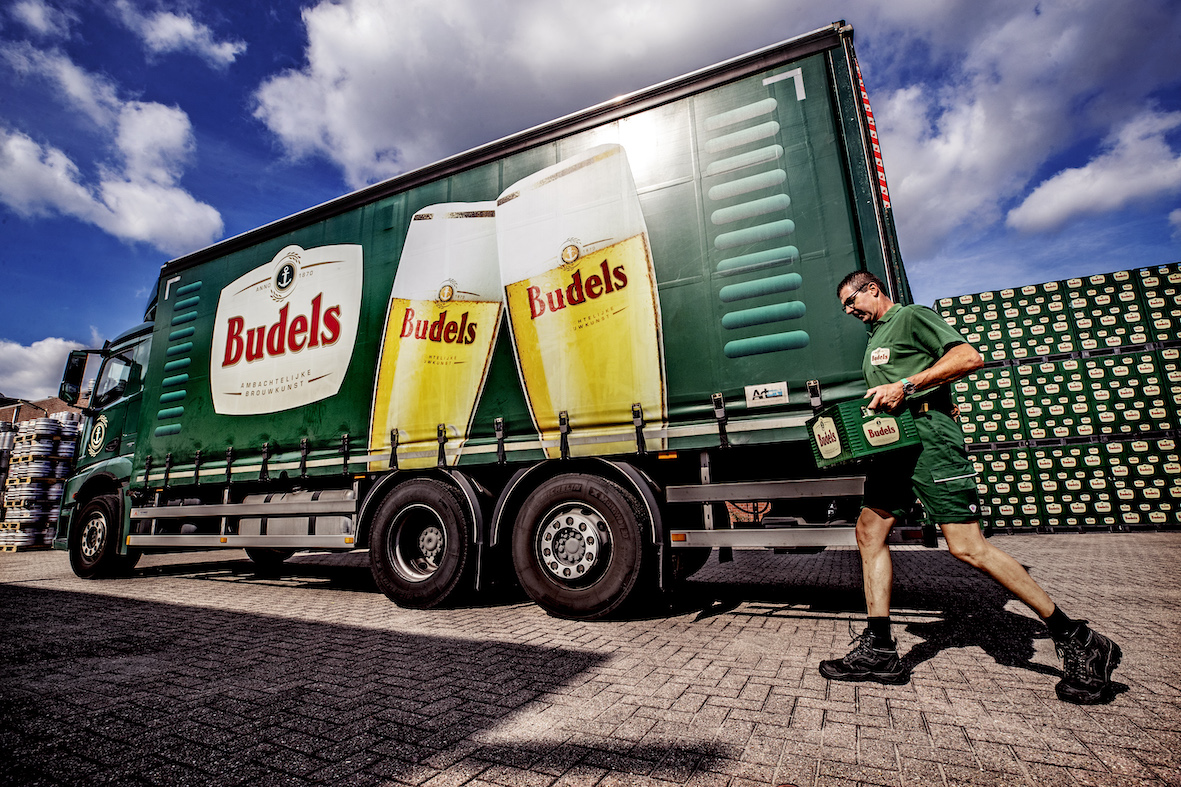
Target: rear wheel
column 420, row 544
column 579, row 546
column 94, row 540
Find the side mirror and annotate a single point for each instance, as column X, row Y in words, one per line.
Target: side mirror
column 71, row 387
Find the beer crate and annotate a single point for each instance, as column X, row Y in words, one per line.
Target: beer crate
column 1075, row 487
column 1038, row 321
column 1146, row 478
column 989, row 408
column 1106, row 311
column 849, row 430
column 1168, row 361
column 1160, row 291
column 1056, row 400
column 1128, row 394
column 1007, row 485
column 978, row 319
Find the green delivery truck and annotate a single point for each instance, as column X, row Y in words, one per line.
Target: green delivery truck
column 556, row 356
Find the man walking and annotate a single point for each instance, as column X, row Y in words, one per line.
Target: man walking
column 911, row 359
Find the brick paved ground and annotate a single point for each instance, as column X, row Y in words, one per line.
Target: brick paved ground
column 198, row 671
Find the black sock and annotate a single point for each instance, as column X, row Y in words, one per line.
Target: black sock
column 880, row 628
column 1059, row 625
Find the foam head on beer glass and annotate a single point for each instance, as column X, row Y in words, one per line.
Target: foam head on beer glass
column 443, row 316
column 583, row 308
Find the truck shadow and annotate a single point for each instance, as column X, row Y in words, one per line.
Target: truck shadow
column 99, row 689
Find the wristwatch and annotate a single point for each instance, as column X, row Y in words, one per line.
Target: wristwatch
column 908, row 388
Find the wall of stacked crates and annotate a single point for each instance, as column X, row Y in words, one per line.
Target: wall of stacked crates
column 36, row 456
column 1073, row 421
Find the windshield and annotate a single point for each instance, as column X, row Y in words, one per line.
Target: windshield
column 122, row 374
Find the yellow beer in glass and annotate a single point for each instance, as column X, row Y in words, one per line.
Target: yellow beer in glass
column 444, row 313
column 583, row 308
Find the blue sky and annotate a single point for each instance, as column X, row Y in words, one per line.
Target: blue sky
column 1023, row 142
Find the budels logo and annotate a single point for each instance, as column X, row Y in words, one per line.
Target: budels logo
column 881, row 431
column 828, row 440
column 322, row 327
column 603, row 282
column 441, row 329
column 284, row 332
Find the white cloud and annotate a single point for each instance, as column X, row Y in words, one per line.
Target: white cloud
column 42, row 19
column 1013, row 86
column 135, row 197
column 33, row 372
column 155, row 141
column 1175, row 223
column 164, row 32
column 37, row 180
column 972, row 99
column 93, row 95
column 389, row 86
column 1139, row 165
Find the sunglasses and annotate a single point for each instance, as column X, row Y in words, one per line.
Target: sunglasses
column 848, row 302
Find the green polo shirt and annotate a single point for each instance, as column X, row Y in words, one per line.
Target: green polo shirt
column 904, row 342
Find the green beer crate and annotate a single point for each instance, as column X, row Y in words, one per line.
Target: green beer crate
column 1038, row 321
column 849, row 430
column 1146, row 477
column 1106, row 311
column 1168, row 363
column 978, row 319
column 1160, row 290
column 1130, row 394
column 1056, row 399
column 1007, row 484
column 989, row 407
column 1075, row 487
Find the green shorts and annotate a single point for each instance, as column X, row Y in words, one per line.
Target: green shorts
column 939, row 473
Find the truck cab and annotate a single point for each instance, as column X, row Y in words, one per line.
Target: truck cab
column 93, row 518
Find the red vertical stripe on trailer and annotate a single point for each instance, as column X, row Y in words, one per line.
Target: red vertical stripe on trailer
column 873, row 135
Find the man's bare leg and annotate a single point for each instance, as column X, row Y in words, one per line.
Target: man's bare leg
column 875, row 657
column 877, row 570
column 966, row 542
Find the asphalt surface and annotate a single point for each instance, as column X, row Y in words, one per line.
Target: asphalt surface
column 197, row 670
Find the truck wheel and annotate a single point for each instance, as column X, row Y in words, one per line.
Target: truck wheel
column 579, row 547
column 420, row 544
column 268, row 559
column 94, row 540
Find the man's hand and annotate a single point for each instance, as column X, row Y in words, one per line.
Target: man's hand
column 888, row 397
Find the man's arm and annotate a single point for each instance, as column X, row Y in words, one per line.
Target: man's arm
column 960, row 360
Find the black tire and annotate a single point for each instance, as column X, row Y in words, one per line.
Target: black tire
column 94, row 540
column 268, row 559
column 420, row 544
column 580, row 546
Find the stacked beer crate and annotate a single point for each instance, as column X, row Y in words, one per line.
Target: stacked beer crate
column 40, row 458
column 1073, row 423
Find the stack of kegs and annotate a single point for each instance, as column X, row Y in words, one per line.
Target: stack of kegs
column 41, row 455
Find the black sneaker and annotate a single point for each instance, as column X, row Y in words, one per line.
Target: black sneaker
column 1088, row 659
column 868, row 660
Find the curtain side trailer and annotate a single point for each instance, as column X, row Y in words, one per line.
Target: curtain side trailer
column 558, row 356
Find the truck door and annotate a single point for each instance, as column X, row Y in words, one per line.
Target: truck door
column 118, row 392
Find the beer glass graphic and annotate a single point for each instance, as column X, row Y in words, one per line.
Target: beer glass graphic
column 444, row 313
column 583, row 308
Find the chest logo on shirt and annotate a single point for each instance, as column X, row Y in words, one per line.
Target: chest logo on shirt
column 879, row 356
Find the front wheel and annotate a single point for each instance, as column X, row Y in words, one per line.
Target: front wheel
column 579, row 546
column 94, row 540
column 420, row 544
